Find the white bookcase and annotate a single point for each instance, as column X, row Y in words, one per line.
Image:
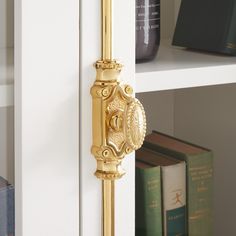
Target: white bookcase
column 191, row 95
column 45, row 112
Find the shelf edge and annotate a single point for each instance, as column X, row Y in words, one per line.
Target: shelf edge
column 185, row 78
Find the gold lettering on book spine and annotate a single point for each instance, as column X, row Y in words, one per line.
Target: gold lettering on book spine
column 231, row 45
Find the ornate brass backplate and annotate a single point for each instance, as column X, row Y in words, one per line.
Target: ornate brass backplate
column 119, row 122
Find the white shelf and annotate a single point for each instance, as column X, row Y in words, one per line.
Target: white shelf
column 176, row 68
column 6, row 77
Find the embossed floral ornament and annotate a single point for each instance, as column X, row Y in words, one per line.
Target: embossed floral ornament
column 136, row 124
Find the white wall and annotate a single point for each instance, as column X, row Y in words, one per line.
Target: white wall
column 159, row 108
column 6, row 23
column 7, row 144
column 167, row 18
column 169, row 14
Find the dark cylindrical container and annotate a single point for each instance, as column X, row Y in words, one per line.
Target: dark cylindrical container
column 147, row 29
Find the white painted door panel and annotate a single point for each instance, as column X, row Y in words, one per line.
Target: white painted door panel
column 47, row 117
column 90, row 187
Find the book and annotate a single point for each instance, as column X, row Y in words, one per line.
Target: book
column 199, row 162
column 148, row 215
column 173, row 186
column 231, row 36
column 207, row 25
column 7, row 209
column 3, row 182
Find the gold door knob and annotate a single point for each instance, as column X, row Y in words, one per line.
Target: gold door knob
column 134, row 121
column 127, row 122
column 136, row 124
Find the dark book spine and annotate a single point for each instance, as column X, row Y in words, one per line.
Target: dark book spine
column 7, row 211
column 11, row 210
column 231, row 36
column 148, row 219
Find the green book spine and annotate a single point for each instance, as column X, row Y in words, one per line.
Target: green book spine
column 200, row 194
column 208, row 25
column 148, row 218
column 199, row 189
column 231, row 37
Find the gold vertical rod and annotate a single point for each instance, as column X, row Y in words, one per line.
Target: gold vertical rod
column 108, row 186
column 108, row 198
column 106, row 29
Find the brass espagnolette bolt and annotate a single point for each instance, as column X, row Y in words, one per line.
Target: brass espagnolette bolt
column 119, row 123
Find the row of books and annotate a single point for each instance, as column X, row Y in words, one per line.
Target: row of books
column 174, row 188
column 7, row 208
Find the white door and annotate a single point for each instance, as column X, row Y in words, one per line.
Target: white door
column 124, row 47
column 47, row 117
column 50, row 158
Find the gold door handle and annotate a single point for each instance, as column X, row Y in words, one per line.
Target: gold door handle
column 119, row 122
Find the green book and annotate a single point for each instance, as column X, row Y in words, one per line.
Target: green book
column 199, row 162
column 168, row 217
column 148, row 220
column 231, row 35
column 208, row 25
